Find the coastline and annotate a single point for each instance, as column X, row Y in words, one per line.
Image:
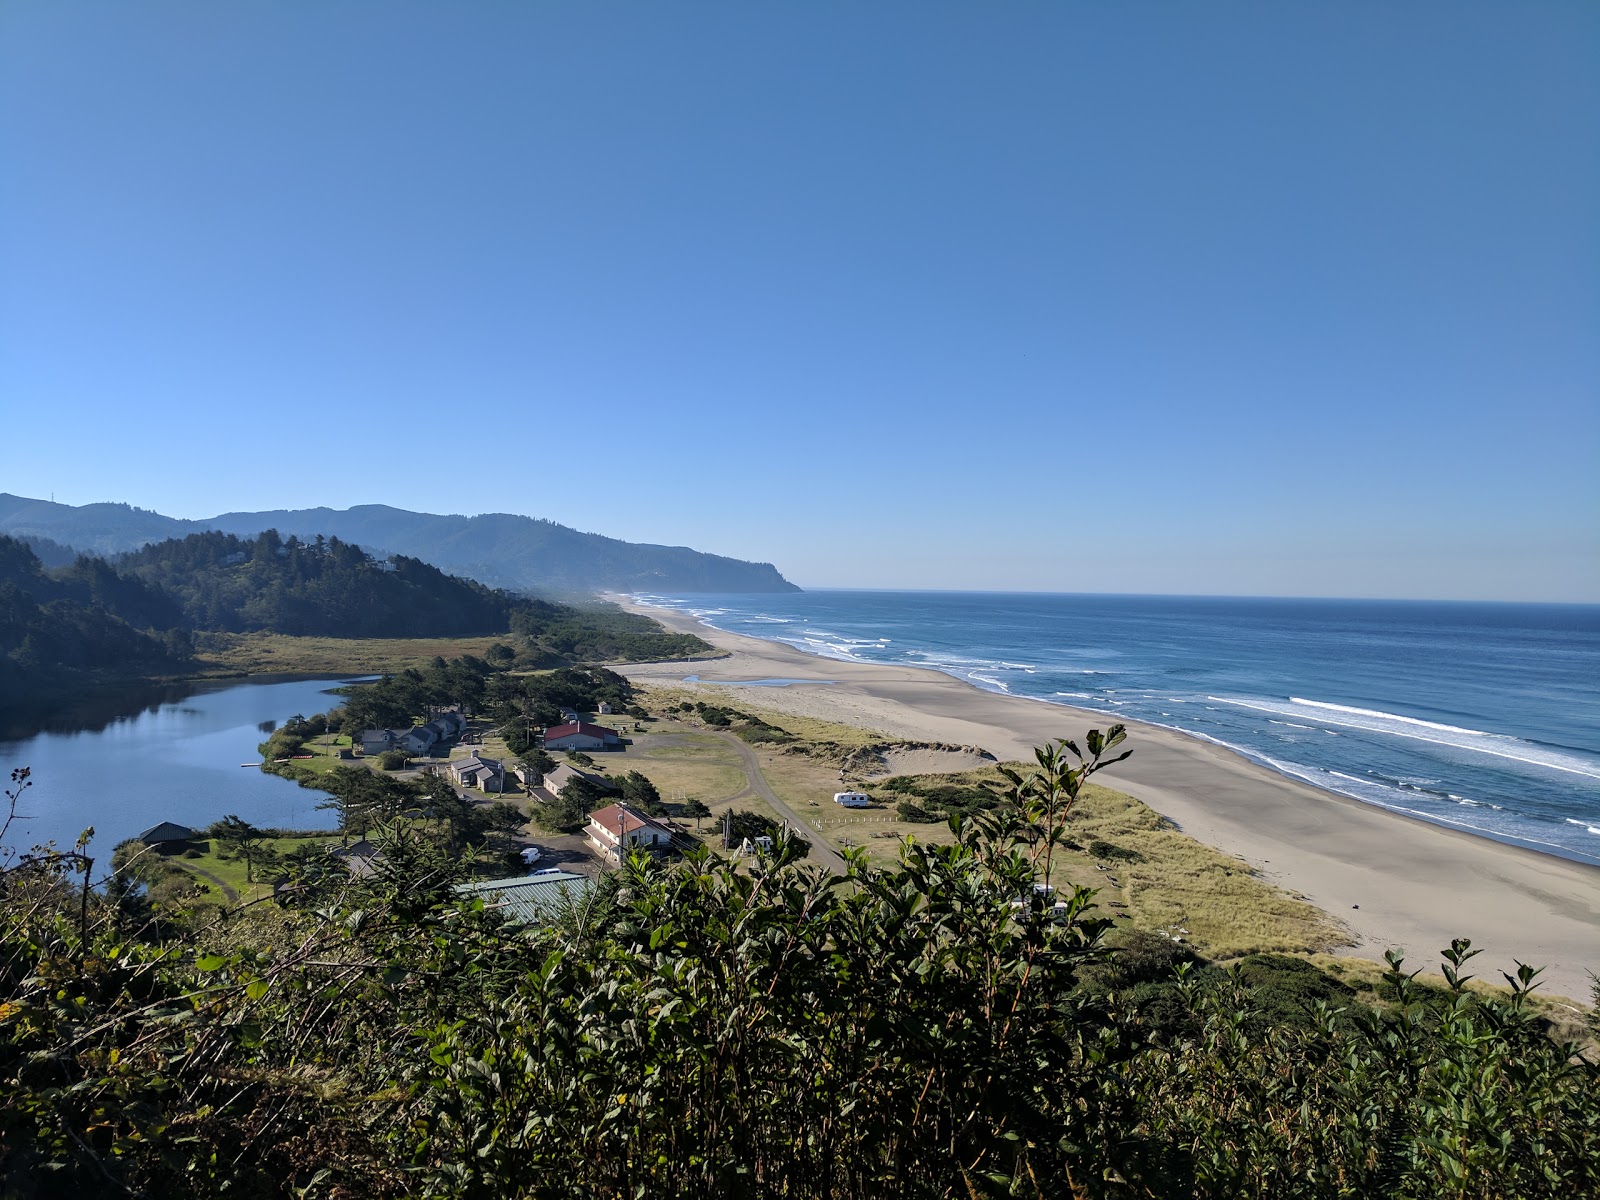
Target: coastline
column 1392, row 880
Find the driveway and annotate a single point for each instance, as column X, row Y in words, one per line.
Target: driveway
column 821, row 852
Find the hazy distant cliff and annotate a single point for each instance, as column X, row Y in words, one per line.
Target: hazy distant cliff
column 499, row 549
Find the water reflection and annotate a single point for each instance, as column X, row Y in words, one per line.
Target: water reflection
column 125, row 760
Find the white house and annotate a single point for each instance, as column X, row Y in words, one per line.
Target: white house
column 580, row 735
column 417, row 740
column 616, row 829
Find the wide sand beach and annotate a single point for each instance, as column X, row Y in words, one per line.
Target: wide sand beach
column 1391, row 880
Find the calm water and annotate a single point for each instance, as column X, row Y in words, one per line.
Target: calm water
column 174, row 759
column 1484, row 717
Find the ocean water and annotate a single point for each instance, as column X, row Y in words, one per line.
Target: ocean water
column 1482, row 717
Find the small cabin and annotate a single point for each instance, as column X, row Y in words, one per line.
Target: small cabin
column 167, row 835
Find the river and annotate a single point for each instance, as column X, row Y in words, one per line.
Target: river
column 168, row 754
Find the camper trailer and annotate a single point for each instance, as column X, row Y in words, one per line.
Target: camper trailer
column 853, row 799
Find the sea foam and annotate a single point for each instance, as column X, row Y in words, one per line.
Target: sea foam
column 1475, row 741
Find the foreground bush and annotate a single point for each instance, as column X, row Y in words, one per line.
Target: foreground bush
column 696, row 1030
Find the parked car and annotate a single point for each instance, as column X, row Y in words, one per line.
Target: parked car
column 531, row 855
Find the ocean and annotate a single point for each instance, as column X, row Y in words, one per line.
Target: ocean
column 1481, row 717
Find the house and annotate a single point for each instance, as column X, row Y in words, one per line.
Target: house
column 359, row 858
column 614, row 830
column 483, row 773
column 442, row 729
column 580, row 735
column 557, row 779
column 167, row 835
column 417, row 740
column 451, row 721
column 528, row 899
column 376, row 741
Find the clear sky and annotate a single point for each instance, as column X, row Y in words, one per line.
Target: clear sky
column 1228, row 298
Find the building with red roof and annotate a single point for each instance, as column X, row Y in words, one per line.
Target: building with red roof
column 580, row 735
column 617, row 828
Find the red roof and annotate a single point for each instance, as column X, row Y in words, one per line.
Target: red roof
column 572, row 727
column 620, row 819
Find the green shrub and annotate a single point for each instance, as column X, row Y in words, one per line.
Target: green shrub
column 1104, row 849
column 910, row 810
column 393, row 760
column 763, row 734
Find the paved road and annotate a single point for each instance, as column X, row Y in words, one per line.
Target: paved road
column 821, row 852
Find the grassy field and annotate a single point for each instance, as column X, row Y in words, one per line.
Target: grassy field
column 274, row 653
column 1180, row 887
column 231, row 870
column 686, row 762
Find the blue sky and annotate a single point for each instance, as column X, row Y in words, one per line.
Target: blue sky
column 1223, row 298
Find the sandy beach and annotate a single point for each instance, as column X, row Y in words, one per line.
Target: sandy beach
column 1391, row 880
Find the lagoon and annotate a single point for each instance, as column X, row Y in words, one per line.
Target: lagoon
column 172, row 754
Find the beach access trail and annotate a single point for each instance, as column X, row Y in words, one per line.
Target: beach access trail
column 1417, row 885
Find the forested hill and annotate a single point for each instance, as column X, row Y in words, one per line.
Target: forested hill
column 324, row 587
column 59, row 630
column 63, row 629
column 498, row 549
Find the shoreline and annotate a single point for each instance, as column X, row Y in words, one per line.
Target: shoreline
column 1391, row 879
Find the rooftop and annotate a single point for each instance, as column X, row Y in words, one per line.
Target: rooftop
column 524, row 899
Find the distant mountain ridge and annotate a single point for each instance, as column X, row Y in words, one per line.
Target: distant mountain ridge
column 498, row 549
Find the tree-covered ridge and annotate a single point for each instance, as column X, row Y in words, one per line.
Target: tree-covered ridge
column 65, row 629
column 51, row 552
column 329, row 588
column 940, row 1027
column 498, row 549
column 323, row 587
column 62, row 631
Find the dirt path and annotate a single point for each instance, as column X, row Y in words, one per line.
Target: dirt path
column 820, row 850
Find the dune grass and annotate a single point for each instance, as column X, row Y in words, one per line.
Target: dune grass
column 1180, row 887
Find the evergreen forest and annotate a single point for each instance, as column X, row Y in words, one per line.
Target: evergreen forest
column 66, row 628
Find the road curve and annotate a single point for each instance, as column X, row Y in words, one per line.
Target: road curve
column 821, row 852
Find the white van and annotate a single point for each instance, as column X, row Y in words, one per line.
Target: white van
column 853, row 799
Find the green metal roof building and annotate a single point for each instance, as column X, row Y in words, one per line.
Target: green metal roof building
column 528, row 899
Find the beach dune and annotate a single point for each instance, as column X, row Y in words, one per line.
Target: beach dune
column 1393, row 881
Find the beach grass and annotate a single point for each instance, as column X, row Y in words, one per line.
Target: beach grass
column 1180, row 887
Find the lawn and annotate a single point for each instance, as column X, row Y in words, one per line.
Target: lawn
column 231, row 870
